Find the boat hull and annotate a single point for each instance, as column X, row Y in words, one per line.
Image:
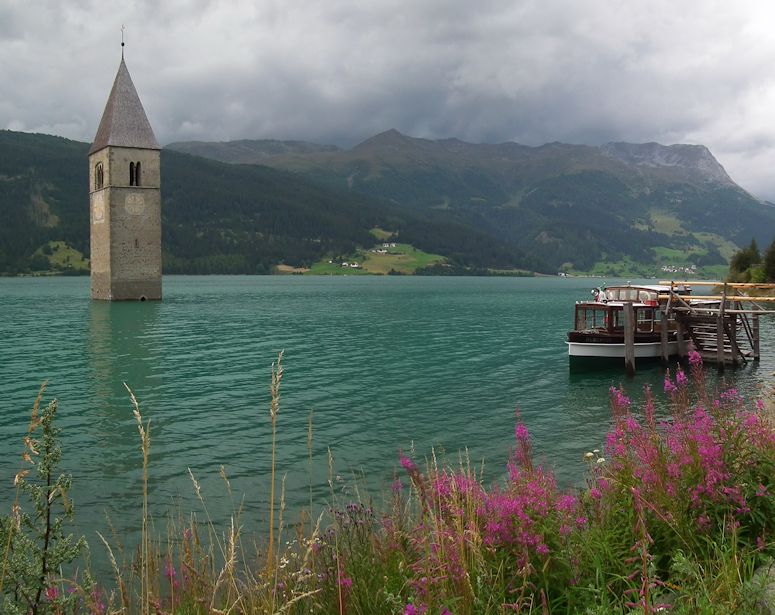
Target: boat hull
column 616, row 351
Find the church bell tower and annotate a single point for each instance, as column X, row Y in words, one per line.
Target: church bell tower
column 125, row 199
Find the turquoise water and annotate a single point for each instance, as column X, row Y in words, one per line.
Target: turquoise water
column 384, row 363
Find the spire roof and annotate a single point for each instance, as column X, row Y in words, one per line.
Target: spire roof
column 124, row 122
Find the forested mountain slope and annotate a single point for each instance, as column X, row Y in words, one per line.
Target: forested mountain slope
column 568, row 205
column 216, row 217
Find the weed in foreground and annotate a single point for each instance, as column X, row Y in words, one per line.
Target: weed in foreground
column 676, row 516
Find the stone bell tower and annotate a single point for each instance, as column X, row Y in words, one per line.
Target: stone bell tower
column 125, row 199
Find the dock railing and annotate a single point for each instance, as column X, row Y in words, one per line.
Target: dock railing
column 718, row 323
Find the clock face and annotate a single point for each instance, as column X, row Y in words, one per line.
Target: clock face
column 98, row 208
column 134, row 204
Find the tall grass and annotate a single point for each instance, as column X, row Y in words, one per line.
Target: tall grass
column 144, row 429
column 677, row 514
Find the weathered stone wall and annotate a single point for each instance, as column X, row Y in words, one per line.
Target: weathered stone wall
column 126, row 226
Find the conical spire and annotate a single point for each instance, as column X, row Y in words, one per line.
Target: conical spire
column 124, row 122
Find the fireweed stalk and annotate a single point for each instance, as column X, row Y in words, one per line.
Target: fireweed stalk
column 678, row 509
column 663, row 490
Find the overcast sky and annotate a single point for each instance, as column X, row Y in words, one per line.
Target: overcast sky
column 339, row 71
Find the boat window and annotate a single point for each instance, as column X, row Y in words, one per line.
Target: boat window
column 618, row 320
column 628, row 294
column 645, row 319
column 590, row 318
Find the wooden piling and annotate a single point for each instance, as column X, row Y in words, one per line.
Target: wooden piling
column 731, row 330
column 681, row 336
column 664, row 331
column 755, row 342
column 720, row 331
column 629, row 338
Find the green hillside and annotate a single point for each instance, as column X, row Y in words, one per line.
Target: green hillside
column 631, row 208
column 216, row 217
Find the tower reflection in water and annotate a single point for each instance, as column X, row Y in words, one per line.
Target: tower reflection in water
column 124, row 346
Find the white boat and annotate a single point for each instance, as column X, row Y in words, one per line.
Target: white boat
column 598, row 326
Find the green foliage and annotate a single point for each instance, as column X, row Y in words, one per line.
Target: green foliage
column 558, row 203
column 36, row 545
column 676, row 513
column 742, row 264
column 216, row 217
column 769, row 263
column 482, row 207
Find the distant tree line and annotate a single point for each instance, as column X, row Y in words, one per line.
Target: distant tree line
column 748, row 264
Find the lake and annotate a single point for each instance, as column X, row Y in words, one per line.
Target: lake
column 381, row 363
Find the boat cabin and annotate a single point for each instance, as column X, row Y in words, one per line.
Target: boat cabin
column 602, row 319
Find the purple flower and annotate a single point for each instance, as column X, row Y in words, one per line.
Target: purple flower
column 681, row 378
column 669, row 386
column 695, row 359
column 406, row 463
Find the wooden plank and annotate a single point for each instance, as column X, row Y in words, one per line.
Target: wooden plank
column 720, row 331
column 629, row 338
column 731, row 330
column 707, row 283
column 664, row 297
column 714, row 310
column 720, row 341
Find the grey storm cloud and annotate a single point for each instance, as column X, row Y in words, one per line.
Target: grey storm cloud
column 338, row 71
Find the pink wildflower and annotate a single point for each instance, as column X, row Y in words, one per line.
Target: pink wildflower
column 98, row 606
column 52, row 593
column 680, row 378
column 619, row 401
column 406, row 463
column 669, row 386
column 695, row 358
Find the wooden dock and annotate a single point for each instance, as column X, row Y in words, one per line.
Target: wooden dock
column 723, row 328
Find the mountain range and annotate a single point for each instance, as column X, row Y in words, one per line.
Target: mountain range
column 247, row 206
column 574, row 206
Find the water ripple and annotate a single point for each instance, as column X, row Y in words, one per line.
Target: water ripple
column 380, row 364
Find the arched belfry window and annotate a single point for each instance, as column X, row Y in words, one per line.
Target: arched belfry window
column 134, row 173
column 99, row 176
